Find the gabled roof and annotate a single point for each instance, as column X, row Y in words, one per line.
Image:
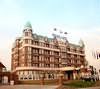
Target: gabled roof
column 1, row 65
column 74, row 45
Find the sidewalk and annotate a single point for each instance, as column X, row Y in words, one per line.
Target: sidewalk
column 28, row 86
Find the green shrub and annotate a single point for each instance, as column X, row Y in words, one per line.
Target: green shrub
column 80, row 84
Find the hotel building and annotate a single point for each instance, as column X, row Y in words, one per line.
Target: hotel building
column 35, row 56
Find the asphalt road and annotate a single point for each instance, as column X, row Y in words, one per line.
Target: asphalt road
column 28, row 86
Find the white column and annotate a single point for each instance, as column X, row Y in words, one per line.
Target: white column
column 74, row 76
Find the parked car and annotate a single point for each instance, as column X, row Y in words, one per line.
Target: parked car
column 90, row 78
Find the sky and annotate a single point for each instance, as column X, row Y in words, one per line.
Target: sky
column 80, row 18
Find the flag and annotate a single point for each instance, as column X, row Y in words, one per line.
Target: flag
column 93, row 54
column 55, row 29
column 65, row 33
column 99, row 55
column 96, row 55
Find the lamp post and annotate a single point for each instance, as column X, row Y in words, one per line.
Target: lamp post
column 42, row 78
column 60, row 79
column 82, row 71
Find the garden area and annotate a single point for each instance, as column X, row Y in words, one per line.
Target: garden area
column 79, row 84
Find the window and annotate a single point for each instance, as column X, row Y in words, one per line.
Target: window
column 26, row 41
column 30, row 77
column 52, row 65
column 47, row 65
column 25, row 78
column 36, row 43
column 26, row 33
column 56, row 65
column 56, row 53
column 41, row 65
column 47, row 45
column 25, row 72
column 35, row 65
column 68, row 49
column 29, row 64
column 21, row 78
column 21, row 72
column 35, row 50
column 29, row 49
column 21, row 64
column 29, row 41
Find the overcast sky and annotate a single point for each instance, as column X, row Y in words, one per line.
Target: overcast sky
column 80, row 18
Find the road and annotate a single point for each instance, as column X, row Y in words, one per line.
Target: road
column 28, row 86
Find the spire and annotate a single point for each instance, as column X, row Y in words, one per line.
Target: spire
column 28, row 24
column 81, row 43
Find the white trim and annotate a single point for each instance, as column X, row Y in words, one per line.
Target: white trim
column 27, row 37
column 67, row 68
column 76, row 53
column 47, row 69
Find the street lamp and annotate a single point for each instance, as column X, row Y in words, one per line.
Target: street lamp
column 42, row 78
column 60, row 79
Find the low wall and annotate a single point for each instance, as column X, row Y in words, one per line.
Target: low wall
column 38, row 82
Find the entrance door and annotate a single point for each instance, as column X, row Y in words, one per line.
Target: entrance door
column 70, row 75
column 5, row 80
column 0, row 79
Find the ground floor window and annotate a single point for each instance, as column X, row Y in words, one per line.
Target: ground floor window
column 5, row 79
column 36, row 75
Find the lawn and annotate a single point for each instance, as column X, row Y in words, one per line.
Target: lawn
column 79, row 84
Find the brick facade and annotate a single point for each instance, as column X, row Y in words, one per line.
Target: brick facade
column 35, row 56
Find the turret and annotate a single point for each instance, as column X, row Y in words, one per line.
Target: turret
column 27, row 29
column 81, row 43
